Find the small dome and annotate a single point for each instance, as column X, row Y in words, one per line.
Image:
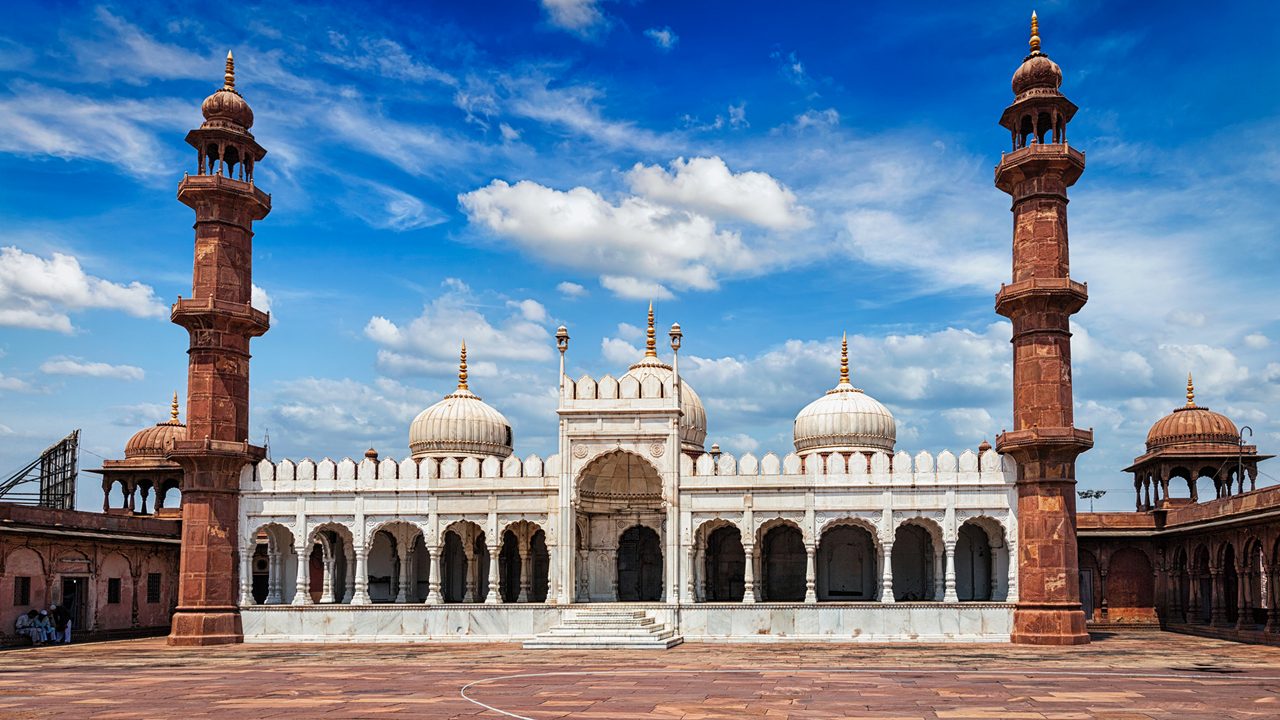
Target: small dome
column 460, row 425
column 693, row 416
column 153, row 442
column 225, row 105
column 845, row 419
column 1193, row 425
column 1037, row 70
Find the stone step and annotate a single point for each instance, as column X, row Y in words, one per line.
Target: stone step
column 604, row 629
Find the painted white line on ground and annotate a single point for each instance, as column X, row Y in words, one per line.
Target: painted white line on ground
column 1001, row 672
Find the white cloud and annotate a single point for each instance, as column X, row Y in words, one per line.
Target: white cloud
column 1256, row 341
column 119, row 132
column 39, row 293
column 75, row 366
column 384, row 56
column 663, row 37
column 629, row 331
column 388, row 208
column 581, row 229
column 575, row 108
column 581, row 17
column 13, row 384
column 706, row 185
column 571, row 290
column 260, row 300
column 619, row 352
column 429, row 343
column 816, row 118
column 630, row 288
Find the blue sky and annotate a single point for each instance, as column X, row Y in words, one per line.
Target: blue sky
column 771, row 174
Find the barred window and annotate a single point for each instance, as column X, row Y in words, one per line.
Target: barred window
column 113, row 591
column 153, row 587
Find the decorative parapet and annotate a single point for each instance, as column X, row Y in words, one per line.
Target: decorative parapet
column 346, row 475
column 900, row 469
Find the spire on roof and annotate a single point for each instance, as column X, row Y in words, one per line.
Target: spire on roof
column 651, row 341
column 1191, row 392
column 229, row 80
column 462, row 367
column 844, row 358
column 1035, row 33
column 173, row 409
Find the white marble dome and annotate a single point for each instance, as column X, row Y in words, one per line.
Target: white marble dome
column 460, row 425
column 693, row 418
column 845, row 420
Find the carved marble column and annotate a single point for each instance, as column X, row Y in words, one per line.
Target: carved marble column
column 886, row 573
column 350, row 578
column 949, row 575
column 810, row 574
column 275, row 568
column 360, row 588
column 302, row 589
column 749, row 574
column 246, row 576
column 326, row 594
column 493, row 598
column 469, row 596
column 406, row 559
column 433, row 593
column 526, row 574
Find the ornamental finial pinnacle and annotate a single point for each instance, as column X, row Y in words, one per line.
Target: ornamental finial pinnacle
column 462, row 367
column 651, row 337
column 844, row 358
column 173, row 408
column 1191, row 392
column 229, row 80
column 1035, row 33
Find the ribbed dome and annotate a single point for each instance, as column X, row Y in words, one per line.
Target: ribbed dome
column 1193, row 425
column 693, row 417
column 154, row 441
column 225, row 105
column 845, row 419
column 459, row 425
column 1037, row 71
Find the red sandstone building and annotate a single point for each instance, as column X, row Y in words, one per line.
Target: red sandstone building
column 1187, row 564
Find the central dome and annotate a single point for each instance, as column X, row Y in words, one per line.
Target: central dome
column 845, row 419
column 693, row 417
column 460, row 425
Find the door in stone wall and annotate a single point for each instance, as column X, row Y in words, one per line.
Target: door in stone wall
column 639, row 565
column 1086, row 593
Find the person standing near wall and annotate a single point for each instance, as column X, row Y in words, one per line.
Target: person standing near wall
column 60, row 618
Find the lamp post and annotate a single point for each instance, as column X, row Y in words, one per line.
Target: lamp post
column 1091, row 495
column 566, row 549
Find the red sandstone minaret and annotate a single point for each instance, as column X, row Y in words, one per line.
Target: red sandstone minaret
column 1040, row 301
column 220, row 321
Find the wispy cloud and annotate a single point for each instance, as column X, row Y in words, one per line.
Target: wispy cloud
column 39, row 293
column 76, row 366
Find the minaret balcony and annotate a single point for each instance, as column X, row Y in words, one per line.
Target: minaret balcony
column 1069, row 441
column 1069, row 294
column 193, row 313
column 1035, row 159
column 193, row 185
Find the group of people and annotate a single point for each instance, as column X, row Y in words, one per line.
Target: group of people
column 45, row 626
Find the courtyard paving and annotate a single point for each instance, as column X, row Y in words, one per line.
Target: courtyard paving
column 1121, row 677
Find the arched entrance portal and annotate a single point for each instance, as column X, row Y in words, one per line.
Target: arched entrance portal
column 620, row 521
column 639, row 565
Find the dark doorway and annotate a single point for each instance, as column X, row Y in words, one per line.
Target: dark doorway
column 261, row 574
column 1230, row 585
column 75, row 599
column 540, row 557
column 454, row 577
column 726, row 565
column 509, row 576
column 784, row 561
column 847, row 565
column 639, row 565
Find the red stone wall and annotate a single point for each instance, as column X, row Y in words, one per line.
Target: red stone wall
column 48, row 546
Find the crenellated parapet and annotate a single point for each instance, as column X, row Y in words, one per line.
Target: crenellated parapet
column 408, row 475
column 854, row 468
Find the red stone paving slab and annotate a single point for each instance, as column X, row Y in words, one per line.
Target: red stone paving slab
column 1140, row 676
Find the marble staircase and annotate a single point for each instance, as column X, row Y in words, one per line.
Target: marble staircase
column 606, row 629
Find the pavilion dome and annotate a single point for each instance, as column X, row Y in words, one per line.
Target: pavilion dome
column 1193, row 425
column 154, row 442
column 1037, row 71
column 460, row 425
column 845, row 419
column 226, row 105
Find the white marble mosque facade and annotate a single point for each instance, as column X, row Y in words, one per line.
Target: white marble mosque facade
column 843, row 540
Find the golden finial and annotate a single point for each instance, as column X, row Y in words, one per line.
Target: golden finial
column 844, row 358
column 173, row 409
column 1035, row 33
column 462, row 367
column 1191, row 392
column 651, row 340
column 230, row 77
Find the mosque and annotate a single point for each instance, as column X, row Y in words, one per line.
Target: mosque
column 636, row 533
